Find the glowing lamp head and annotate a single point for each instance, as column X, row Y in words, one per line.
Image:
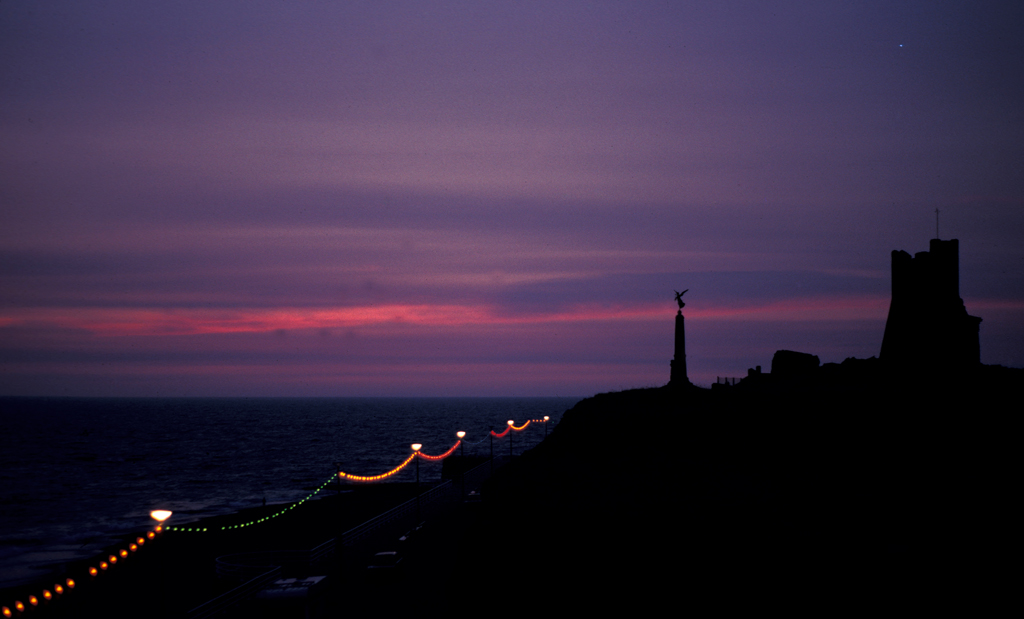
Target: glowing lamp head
column 7, row 612
column 546, row 418
column 18, row 605
column 58, row 589
column 93, row 572
column 70, row 583
column 460, row 434
column 417, row 446
column 160, row 514
column 511, row 423
column 33, row 600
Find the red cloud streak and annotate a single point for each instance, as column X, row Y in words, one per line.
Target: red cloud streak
column 113, row 322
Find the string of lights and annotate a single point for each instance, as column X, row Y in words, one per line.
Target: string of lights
column 59, row 590
column 393, row 471
column 442, row 456
column 95, row 571
column 257, row 520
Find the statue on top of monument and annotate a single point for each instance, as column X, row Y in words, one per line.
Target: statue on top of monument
column 679, row 297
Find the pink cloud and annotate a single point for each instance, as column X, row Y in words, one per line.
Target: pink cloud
column 156, row 322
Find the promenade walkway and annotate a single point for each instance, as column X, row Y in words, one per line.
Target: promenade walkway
column 424, row 531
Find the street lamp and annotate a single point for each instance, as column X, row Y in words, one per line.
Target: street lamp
column 546, row 419
column 160, row 515
column 462, row 456
column 510, row 424
column 416, row 447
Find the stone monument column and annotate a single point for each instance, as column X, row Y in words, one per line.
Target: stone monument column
column 677, row 375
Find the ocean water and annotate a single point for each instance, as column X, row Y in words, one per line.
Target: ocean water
column 76, row 474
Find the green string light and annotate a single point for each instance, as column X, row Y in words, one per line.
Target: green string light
column 259, row 520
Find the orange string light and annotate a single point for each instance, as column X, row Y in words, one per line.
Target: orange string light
column 522, row 427
column 382, row 475
column 69, row 583
column 442, row 456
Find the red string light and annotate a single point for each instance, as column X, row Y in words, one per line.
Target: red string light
column 496, row 435
column 442, row 456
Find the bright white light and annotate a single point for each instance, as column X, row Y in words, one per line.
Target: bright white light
column 160, row 514
column 417, row 446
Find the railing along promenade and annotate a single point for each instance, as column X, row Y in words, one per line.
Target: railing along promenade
column 263, row 568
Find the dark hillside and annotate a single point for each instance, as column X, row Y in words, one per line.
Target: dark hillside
column 849, row 484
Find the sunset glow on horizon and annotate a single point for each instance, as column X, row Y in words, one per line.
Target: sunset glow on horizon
column 451, row 198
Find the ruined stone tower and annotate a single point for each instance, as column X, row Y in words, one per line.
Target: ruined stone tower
column 928, row 326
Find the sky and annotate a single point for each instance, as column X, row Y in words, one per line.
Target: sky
column 284, row 198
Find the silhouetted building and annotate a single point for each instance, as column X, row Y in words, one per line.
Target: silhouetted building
column 677, row 375
column 928, row 326
column 789, row 363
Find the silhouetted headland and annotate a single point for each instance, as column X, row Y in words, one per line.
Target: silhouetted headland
column 844, row 481
column 883, row 478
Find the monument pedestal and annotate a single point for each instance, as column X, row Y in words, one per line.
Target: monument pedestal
column 677, row 375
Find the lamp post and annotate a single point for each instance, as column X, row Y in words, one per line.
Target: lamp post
column 160, row 515
column 546, row 418
column 491, row 435
column 416, row 447
column 510, row 424
column 462, row 456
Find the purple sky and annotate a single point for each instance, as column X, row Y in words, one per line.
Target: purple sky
column 489, row 198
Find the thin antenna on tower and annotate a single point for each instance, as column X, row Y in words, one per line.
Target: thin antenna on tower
column 936, row 223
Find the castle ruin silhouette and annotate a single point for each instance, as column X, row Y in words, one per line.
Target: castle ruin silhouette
column 928, row 325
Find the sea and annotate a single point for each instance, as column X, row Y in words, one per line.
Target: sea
column 77, row 474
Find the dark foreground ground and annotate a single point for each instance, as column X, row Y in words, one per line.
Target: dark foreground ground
column 858, row 490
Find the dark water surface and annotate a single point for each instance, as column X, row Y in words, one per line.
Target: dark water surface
column 75, row 474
